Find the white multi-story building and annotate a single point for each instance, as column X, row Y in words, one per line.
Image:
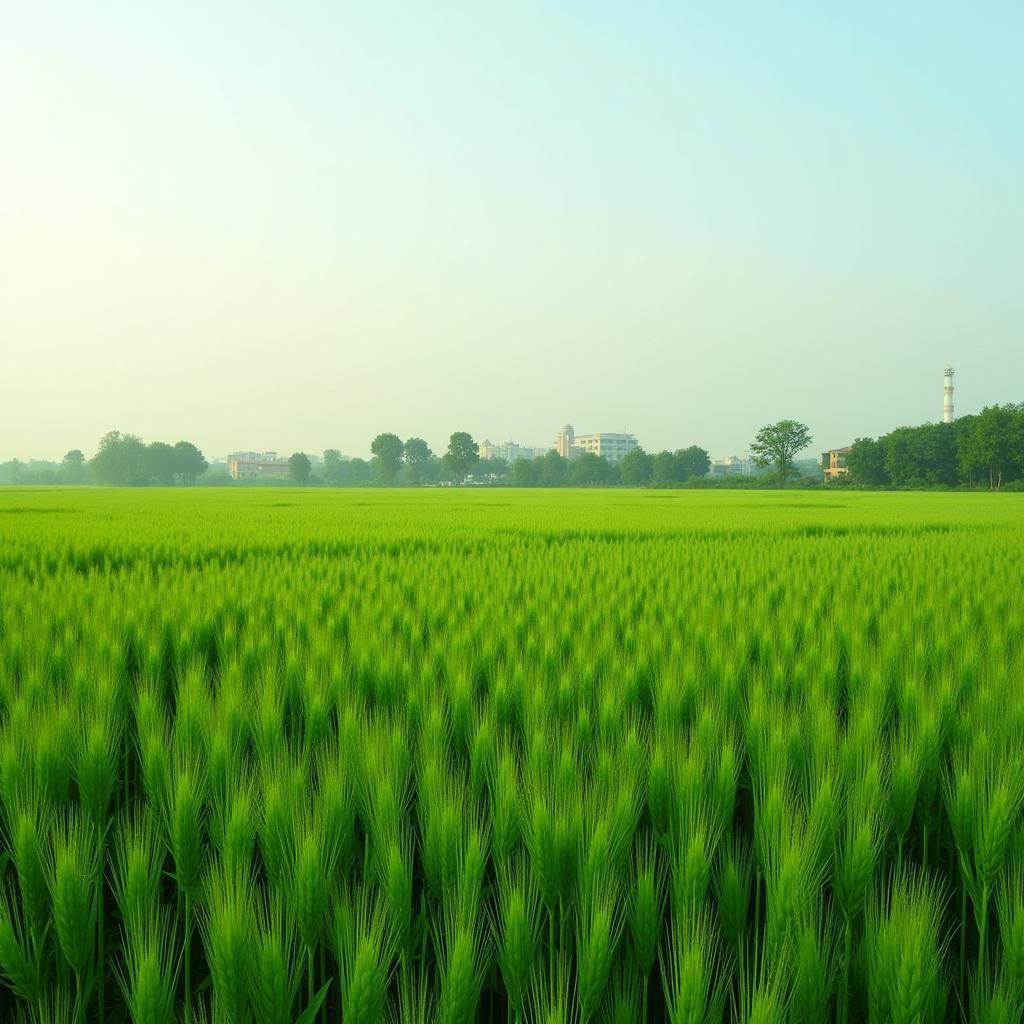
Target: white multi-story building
column 732, row 465
column 612, row 447
column 509, row 451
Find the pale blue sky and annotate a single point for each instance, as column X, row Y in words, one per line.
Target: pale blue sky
column 293, row 226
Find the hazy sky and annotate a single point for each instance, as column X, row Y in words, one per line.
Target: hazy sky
column 294, row 225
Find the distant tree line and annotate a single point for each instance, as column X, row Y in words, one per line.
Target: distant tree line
column 411, row 463
column 122, row 460
column 986, row 450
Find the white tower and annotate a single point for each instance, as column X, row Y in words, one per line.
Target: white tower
column 947, row 395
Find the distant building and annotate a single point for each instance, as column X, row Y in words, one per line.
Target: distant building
column 732, row 465
column 257, row 466
column 565, row 441
column 833, row 463
column 612, row 447
column 509, row 451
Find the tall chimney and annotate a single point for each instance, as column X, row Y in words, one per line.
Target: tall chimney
column 947, row 395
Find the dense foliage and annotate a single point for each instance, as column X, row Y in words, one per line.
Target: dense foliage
column 124, row 460
column 280, row 756
column 985, row 450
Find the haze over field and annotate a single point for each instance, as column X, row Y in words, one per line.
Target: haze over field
column 260, row 225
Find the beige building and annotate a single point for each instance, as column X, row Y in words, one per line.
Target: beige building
column 612, row 447
column 257, row 466
column 564, row 442
column 833, row 463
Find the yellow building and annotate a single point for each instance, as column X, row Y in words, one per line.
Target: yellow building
column 833, row 463
column 565, row 442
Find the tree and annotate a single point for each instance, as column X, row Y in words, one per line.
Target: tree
column 587, row 469
column 120, row 460
column 991, row 443
column 666, row 470
column 1017, row 442
column 299, row 468
column 387, row 452
column 417, row 451
column 462, row 455
column 693, row 461
column 160, row 463
column 526, row 472
column 866, row 462
column 939, row 454
column 358, row 473
column 72, row 467
column 189, row 463
column 636, row 468
column 334, row 467
column 778, row 444
column 924, row 456
column 417, row 456
column 496, row 467
column 554, row 469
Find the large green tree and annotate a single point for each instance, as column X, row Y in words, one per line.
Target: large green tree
column 120, row 460
column 417, row 457
column 693, row 462
column 160, row 463
column 526, row 472
column 334, row 467
column 72, row 467
column 587, row 469
column 554, row 469
column 924, row 456
column 358, row 473
column 387, row 450
column 866, row 462
column 1017, row 443
column 665, row 470
column 778, row 444
column 300, row 468
column 989, row 448
column 462, row 455
column 189, row 463
column 636, row 468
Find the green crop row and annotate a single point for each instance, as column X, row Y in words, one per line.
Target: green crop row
column 584, row 757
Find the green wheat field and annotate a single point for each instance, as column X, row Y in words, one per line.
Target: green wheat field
column 281, row 756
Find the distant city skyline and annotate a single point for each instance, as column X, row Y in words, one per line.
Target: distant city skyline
column 296, row 226
column 363, row 450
